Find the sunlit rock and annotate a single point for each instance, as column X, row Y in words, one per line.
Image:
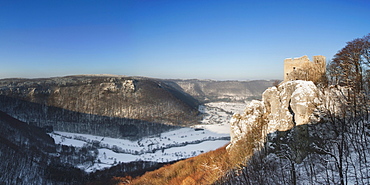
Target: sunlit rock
column 291, row 103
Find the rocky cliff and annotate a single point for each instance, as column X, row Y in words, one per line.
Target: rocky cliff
column 290, row 104
column 301, row 134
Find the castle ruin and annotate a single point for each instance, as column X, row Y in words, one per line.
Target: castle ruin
column 303, row 69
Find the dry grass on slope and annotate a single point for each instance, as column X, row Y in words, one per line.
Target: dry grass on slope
column 202, row 169
column 206, row 168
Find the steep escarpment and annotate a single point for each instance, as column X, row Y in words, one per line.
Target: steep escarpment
column 210, row 90
column 123, row 97
column 302, row 134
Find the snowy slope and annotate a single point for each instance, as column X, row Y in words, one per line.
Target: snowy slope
column 217, row 115
column 214, row 132
column 169, row 146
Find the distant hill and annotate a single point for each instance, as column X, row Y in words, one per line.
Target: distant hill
column 124, row 97
column 117, row 106
column 210, row 90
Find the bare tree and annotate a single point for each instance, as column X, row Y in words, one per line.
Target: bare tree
column 350, row 64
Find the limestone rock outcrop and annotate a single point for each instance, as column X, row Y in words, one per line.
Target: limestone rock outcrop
column 242, row 124
column 291, row 103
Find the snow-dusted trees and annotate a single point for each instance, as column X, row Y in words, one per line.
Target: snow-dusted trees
column 70, row 121
column 347, row 113
column 350, row 120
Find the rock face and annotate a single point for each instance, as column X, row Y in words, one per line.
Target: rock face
column 242, row 124
column 292, row 103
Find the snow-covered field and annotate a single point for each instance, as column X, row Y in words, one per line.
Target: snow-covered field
column 214, row 132
column 218, row 114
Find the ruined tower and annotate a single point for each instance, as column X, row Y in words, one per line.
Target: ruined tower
column 303, row 69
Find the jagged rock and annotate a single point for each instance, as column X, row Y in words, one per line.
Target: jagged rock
column 290, row 104
column 281, row 108
column 241, row 124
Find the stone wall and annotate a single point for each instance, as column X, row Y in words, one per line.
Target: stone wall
column 303, row 69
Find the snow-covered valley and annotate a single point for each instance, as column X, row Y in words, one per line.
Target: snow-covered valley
column 212, row 133
column 218, row 114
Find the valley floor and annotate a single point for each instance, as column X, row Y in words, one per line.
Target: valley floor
column 212, row 133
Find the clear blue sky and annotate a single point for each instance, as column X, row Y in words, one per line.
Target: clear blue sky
column 205, row 39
